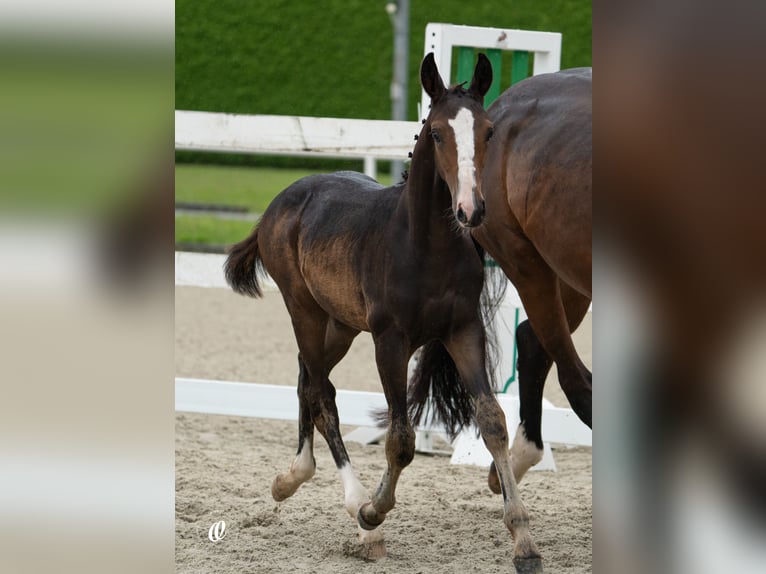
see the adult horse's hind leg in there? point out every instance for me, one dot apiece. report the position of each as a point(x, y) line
point(534, 363)
point(467, 350)
point(541, 293)
point(391, 354)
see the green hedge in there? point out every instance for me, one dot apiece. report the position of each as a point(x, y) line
point(332, 58)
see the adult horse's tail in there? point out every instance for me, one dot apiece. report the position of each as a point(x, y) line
point(435, 386)
point(244, 265)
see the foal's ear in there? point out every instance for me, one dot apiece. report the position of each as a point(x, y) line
point(482, 78)
point(430, 78)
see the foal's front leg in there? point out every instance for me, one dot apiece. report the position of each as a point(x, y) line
point(467, 350)
point(391, 354)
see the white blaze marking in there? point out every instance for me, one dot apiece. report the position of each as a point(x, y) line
point(462, 125)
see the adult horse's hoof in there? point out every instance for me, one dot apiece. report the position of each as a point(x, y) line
point(493, 480)
point(369, 523)
point(528, 565)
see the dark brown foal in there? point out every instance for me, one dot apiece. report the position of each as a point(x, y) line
point(349, 255)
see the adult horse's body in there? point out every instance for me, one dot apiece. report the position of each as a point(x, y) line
point(349, 255)
point(537, 188)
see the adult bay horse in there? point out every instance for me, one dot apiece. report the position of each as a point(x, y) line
point(537, 188)
point(349, 255)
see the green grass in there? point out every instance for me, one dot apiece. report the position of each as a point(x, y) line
point(209, 230)
point(249, 187)
point(253, 188)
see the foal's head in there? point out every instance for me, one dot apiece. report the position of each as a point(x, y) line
point(460, 129)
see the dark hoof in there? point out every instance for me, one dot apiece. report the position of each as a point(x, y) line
point(368, 524)
point(493, 480)
point(528, 565)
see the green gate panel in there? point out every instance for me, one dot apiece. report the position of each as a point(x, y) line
point(465, 67)
point(464, 64)
point(519, 66)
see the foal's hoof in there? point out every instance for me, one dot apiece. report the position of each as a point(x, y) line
point(278, 490)
point(369, 523)
point(493, 480)
point(371, 545)
point(374, 550)
point(528, 565)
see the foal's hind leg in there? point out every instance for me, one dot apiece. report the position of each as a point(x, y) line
point(534, 363)
point(467, 350)
point(322, 343)
point(304, 465)
point(316, 396)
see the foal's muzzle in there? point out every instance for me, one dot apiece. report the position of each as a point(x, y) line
point(476, 217)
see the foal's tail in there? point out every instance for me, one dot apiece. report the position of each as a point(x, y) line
point(436, 386)
point(244, 265)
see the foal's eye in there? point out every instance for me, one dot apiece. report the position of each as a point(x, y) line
point(490, 132)
point(437, 137)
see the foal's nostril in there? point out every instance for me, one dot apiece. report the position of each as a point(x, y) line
point(461, 215)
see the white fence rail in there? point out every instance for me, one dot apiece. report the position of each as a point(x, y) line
point(295, 135)
point(280, 402)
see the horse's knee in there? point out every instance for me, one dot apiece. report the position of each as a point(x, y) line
point(400, 443)
point(490, 419)
point(531, 351)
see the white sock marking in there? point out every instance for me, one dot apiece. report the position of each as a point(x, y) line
point(524, 454)
point(355, 493)
point(303, 466)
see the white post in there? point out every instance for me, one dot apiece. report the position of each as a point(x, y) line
point(370, 167)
